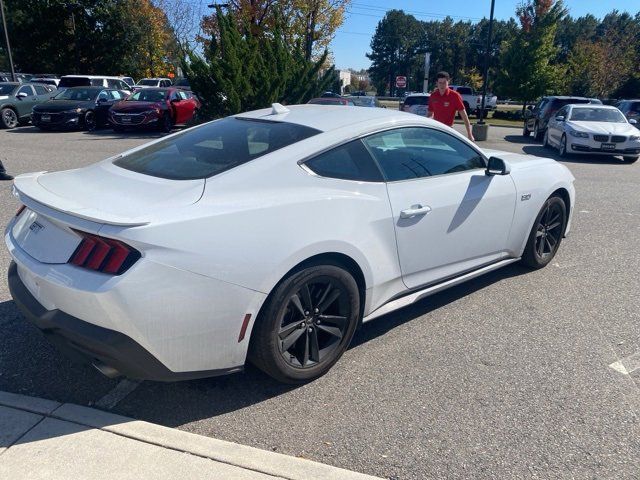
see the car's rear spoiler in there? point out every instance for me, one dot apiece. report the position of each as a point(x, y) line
point(39, 199)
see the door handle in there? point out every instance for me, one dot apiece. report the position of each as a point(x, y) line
point(415, 210)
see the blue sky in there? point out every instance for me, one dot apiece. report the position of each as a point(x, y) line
point(353, 39)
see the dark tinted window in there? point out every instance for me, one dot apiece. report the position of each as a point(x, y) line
point(148, 95)
point(67, 82)
point(26, 89)
point(40, 90)
point(348, 162)
point(213, 148)
point(464, 91)
point(557, 103)
point(7, 88)
point(420, 100)
point(408, 153)
point(78, 93)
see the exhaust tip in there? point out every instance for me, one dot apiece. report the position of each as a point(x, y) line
point(106, 370)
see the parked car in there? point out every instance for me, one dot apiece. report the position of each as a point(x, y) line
point(17, 100)
point(115, 83)
point(177, 260)
point(328, 94)
point(129, 81)
point(631, 110)
point(366, 101)
point(417, 103)
point(76, 107)
point(536, 118)
point(594, 130)
point(153, 83)
point(182, 83)
point(347, 102)
point(46, 80)
point(469, 97)
point(154, 108)
point(490, 103)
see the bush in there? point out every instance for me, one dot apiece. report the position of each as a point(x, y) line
point(509, 115)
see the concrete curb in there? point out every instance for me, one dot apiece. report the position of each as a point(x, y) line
point(250, 458)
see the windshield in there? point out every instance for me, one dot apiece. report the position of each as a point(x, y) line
point(149, 83)
point(213, 148)
point(597, 115)
point(148, 96)
point(6, 89)
point(74, 82)
point(80, 94)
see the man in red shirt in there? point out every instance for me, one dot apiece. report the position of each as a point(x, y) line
point(444, 103)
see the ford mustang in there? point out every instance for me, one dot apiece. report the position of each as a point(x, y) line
point(269, 237)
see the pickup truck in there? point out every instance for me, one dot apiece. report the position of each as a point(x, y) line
point(472, 100)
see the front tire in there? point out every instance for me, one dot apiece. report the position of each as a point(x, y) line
point(545, 139)
point(562, 147)
point(90, 121)
point(307, 324)
point(8, 118)
point(546, 234)
point(167, 123)
point(537, 134)
point(628, 159)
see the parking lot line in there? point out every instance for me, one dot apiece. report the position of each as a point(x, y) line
point(119, 392)
point(628, 364)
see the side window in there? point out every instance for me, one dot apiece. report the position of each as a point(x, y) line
point(103, 95)
point(40, 90)
point(409, 153)
point(115, 95)
point(183, 96)
point(351, 161)
point(97, 82)
point(563, 111)
point(174, 96)
point(26, 89)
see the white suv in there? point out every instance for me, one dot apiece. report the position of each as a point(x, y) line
point(417, 103)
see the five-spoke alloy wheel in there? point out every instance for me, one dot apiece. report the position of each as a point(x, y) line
point(546, 234)
point(307, 324)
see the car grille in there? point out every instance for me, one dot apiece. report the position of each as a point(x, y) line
point(618, 139)
point(135, 118)
point(601, 138)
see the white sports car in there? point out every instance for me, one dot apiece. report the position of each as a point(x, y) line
point(270, 235)
point(594, 130)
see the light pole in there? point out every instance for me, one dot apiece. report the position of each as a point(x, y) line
point(6, 36)
point(486, 66)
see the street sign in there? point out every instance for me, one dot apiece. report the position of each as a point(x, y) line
point(401, 82)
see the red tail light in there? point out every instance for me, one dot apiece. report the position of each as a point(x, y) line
point(103, 254)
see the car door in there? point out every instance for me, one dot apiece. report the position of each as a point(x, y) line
point(23, 103)
point(556, 127)
point(104, 102)
point(177, 107)
point(187, 104)
point(449, 216)
point(535, 113)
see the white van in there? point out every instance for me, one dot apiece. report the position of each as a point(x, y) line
point(68, 81)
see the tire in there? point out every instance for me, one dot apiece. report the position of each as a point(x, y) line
point(293, 320)
point(8, 118)
point(545, 139)
point(537, 134)
point(90, 121)
point(195, 118)
point(627, 159)
point(562, 147)
point(546, 234)
point(167, 123)
point(525, 131)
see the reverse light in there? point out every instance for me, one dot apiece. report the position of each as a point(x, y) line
point(103, 254)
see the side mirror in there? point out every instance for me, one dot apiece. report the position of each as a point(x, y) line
point(633, 121)
point(21, 95)
point(497, 166)
point(560, 118)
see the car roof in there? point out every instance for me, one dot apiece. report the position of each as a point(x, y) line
point(91, 87)
point(418, 95)
point(334, 117)
point(15, 84)
point(592, 105)
point(92, 76)
point(568, 97)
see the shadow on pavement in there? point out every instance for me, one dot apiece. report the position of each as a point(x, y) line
point(31, 366)
point(519, 139)
point(540, 151)
point(101, 133)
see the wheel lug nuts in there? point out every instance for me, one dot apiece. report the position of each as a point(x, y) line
point(316, 310)
point(306, 313)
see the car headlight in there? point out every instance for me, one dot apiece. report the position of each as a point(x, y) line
point(75, 110)
point(574, 133)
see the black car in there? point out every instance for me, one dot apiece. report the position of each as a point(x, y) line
point(76, 107)
point(631, 110)
point(182, 84)
point(536, 119)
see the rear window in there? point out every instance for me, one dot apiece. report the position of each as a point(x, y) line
point(75, 82)
point(213, 148)
point(421, 100)
point(464, 91)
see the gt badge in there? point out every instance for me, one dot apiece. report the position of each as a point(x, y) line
point(35, 227)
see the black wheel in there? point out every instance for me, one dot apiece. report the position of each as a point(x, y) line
point(90, 122)
point(525, 131)
point(562, 147)
point(546, 234)
point(545, 139)
point(8, 118)
point(537, 134)
point(307, 324)
point(195, 118)
point(627, 159)
point(166, 125)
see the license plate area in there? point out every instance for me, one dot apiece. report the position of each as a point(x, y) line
point(125, 119)
point(45, 118)
point(608, 146)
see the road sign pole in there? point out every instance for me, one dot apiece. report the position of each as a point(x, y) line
point(6, 36)
point(427, 64)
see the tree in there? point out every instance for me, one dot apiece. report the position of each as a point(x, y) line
point(241, 71)
point(528, 69)
point(395, 46)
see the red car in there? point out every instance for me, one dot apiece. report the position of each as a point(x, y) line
point(160, 108)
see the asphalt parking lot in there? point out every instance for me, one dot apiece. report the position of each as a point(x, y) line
point(508, 376)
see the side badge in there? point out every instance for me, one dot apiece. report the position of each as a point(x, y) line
point(525, 197)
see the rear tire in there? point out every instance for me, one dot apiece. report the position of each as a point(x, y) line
point(537, 134)
point(8, 118)
point(545, 139)
point(525, 131)
point(90, 121)
point(167, 123)
point(628, 159)
point(306, 324)
point(546, 234)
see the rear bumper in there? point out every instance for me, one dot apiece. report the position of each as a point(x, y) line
point(88, 343)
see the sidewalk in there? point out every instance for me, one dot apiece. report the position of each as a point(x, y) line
point(42, 439)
